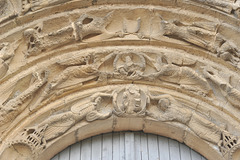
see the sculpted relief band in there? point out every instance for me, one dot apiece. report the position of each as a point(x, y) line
point(72, 69)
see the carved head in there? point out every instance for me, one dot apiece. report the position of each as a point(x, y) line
point(163, 104)
point(98, 100)
point(29, 32)
point(167, 27)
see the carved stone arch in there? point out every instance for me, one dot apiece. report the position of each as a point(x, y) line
point(72, 69)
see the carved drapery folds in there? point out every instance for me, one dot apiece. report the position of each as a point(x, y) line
point(128, 101)
point(78, 66)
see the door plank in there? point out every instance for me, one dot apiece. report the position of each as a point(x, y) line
point(152, 147)
point(64, 155)
point(174, 150)
point(107, 147)
point(129, 146)
point(163, 146)
point(86, 149)
point(97, 147)
point(144, 146)
point(75, 151)
point(137, 145)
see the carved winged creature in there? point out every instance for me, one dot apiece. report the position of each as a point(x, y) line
point(58, 124)
point(168, 110)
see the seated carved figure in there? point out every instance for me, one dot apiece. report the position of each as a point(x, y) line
point(170, 110)
point(129, 68)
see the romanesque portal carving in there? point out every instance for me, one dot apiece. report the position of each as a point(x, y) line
point(67, 66)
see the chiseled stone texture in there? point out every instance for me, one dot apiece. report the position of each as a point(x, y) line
point(72, 69)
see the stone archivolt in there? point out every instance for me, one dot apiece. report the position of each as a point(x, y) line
point(173, 72)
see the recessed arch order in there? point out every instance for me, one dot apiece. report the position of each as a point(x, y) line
point(73, 69)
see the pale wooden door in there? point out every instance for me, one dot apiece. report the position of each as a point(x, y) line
point(128, 146)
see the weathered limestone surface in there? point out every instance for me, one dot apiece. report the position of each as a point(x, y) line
point(71, 69)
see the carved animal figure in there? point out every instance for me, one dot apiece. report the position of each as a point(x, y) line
point(87, 27)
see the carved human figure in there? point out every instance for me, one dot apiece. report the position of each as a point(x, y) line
point(19, 97)
point(58, 124)
point(186, 77)
point(6, 54)
point(7, 10)
point(86, 27)
point(205, 36)
point(228, 51)
point(229, 92)
point(130, 101)
point(79, 68)
point(170, 110)
point(228, 6)
point(33, 5)
point(201, 36)
point(81, 71)
point(129, 69)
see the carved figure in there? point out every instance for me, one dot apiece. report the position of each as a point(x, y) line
point(170, 110)
point(79, 68)
point(200, 36)
point(33, 5)
point(7, 10)
point(86, 27)
point(6, 54)
point(129, 68)
point(12, 104)
point(81, 71)
point(34, 41)
point(228, 91)
point(228, 51)
point(228, 6)
point(186, 77)
point(58, 124)
point(130, 101)
point(204, 36)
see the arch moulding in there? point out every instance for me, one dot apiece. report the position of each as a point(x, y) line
point(72, 69)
